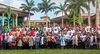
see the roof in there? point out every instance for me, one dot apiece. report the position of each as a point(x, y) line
point(59, 18)
point(20, 12)
point(45, 17)
point(85, 16)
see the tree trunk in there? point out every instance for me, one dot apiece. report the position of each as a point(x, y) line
point(80, 20)
point(97, 14)
point(62, 21)
point(29, 20)
point(89, 19)
point(8, 22)
point(74, 20)
point(2, 19)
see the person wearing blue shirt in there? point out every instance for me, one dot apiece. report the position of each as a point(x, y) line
point(58, 41)
point(4, 41)
point(68, 41)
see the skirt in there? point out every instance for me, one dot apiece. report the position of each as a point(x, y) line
point(31, 43)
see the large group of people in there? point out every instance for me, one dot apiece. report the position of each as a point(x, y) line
point(86, 37)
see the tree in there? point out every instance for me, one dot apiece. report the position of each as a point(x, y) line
point(9, 13)
point(97, 12)
point(93, 3)
point(62, 9)
point(46, 6)
point(77, 6)
point(29, 6)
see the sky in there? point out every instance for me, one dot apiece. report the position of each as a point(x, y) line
point(37, 15)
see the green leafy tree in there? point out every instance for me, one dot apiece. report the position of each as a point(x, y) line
point(46, 6)
point(61, 9)
point(29, 6)
point(93, 3)
point(76, 7)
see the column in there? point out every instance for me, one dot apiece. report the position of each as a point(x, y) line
point(34, 23)
point(53, 24)
point(2, 19)
point(13, 22)
point(16, 20)
point(49, 24)
point(46, 24)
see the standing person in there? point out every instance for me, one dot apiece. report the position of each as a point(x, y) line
point(37, 40)
point(43, 41)
point(75, 41)
point(30, 41)
point(25, 41)
point(0, 41)
point(95, 41)
point(83, 39)
point(58, 41)
point(99, 41)
point(62, 41)
point(19, 42)
point(91, 41)
point(4, 40)
point(10, 41)
point(48, 40)
point(52, 38)
point(87, 41)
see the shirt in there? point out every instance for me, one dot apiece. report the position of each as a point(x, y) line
point(52, 38)
point(67, 36)
point(0, 37)
point(25, 39)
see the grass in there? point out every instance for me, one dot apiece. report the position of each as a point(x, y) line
point(70, 51)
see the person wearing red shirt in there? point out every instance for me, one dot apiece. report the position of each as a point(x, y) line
point(32, 32)
point(52, 38)
point(0, 41)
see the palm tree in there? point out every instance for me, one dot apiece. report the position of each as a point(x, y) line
point(29, 6)
point(9, 13)
point(93, 3)
point(62, 9)
point(46, 6)
point(97, 12)
point(77, 6)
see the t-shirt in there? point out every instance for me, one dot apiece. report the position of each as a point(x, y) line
point(25, 39)
point(32, 32)
point(7, 29)
point(0, 37)
point(52, 38)
point(40, 32)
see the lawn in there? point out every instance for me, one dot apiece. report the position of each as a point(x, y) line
point(70, 51)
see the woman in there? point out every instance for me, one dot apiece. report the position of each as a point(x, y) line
point(37, 40)
point(10, 40)
point(75, 41)
point(91, 41)
point(25, 41)
point(99, 41)
point(19, 42)
point(30, 41)
point(62, 41)
point(48, 41)
point(52, 38)
point(58, 41)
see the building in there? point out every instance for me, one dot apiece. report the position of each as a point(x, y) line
point(58, 20)
point(19, 18)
